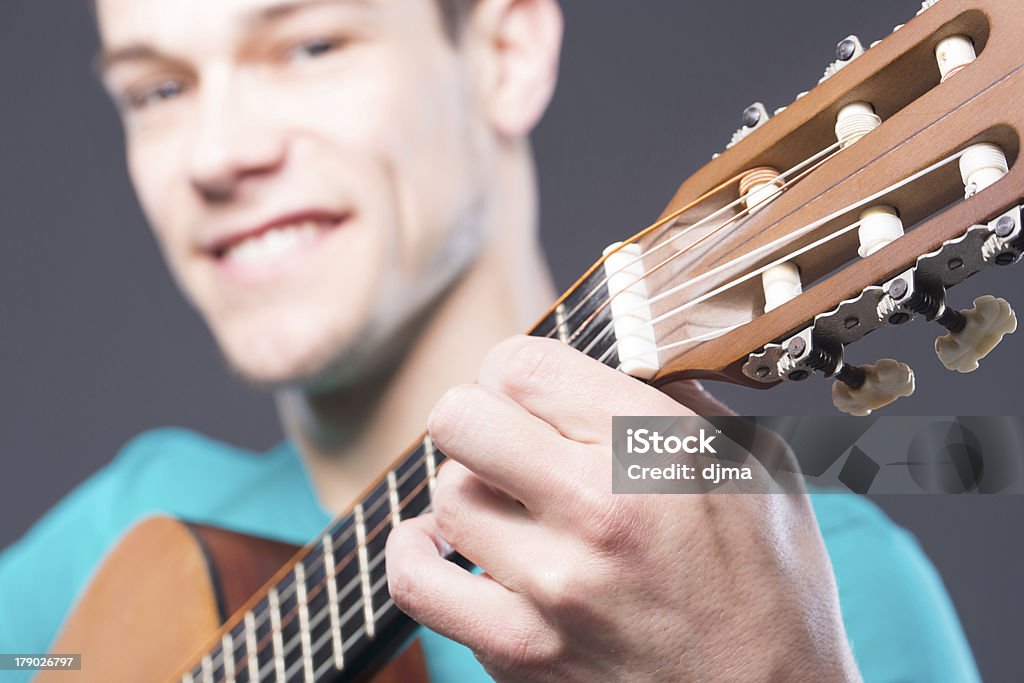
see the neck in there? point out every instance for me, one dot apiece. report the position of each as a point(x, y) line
point(348, 436)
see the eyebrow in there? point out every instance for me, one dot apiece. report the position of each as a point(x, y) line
point(141, 52)
point(135, 52)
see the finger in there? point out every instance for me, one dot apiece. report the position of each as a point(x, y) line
point(443, 596)
point(505, 445)
point(692, 394)
point(484, 525)
point(574, 393)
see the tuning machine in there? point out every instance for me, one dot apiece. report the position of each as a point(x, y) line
point(979, 329)
point(860, 389)
point(857, 390)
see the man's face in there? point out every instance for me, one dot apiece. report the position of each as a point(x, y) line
point(311, 168)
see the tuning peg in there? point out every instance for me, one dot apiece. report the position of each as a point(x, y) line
point(984, 326)
point(860, 389)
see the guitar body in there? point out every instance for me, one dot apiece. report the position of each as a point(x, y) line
point(164, 591)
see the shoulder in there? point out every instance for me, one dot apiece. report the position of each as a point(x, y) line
point(166, 471)
point(155, 468)
point(900, 621)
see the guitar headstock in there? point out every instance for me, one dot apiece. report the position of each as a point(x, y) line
point(858, 206)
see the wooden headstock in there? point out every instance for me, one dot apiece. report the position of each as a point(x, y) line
point(712, 243)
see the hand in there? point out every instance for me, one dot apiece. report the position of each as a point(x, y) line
point(583, 585)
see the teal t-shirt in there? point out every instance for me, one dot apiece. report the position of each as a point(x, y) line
point(899, 619)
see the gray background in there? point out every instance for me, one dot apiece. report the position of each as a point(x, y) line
point(95, 344)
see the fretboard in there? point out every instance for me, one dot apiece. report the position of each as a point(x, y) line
point(330, 618)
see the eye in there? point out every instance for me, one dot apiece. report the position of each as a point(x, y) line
point(311, 49)
point(153, 95)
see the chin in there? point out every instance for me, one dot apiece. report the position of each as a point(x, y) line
point(273, 359)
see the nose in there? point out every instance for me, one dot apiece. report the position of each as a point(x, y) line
point(232, 145)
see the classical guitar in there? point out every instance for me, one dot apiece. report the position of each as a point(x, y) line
point(858, 206)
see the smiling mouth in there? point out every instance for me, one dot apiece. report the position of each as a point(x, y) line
point(270, 244)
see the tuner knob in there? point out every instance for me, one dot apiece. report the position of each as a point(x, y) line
point(860, 389)
point(953, 54)
point(982, 165)
point(986, 323)
point(854, 121)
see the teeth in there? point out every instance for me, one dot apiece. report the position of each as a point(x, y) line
point(270, 245)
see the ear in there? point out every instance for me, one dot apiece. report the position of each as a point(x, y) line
point(515, 46)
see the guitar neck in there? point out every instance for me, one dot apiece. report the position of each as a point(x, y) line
point(327, 615)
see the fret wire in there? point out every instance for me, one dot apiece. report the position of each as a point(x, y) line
point(206, 669)
point(252, 654)
point(275, 633)
point(307, 661)
point(364, 571)
point(229, 662)
point(332, 604)
point(560, 326)
point(396, 513)
point(430, 462)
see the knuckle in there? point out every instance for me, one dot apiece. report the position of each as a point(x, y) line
point(614, 525)
point(525, 364)
point(448, 507)
point(520, 652)
point(563, 590)
point(402, 582)
point(449, 415)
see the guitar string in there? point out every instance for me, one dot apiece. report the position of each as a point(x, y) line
point(736, 218)
point(753, 255)
point(675, 214)
point(347, 560)
point(286, 592)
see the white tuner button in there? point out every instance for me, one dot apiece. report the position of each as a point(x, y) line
point(884, 382)
point(982, 165)
point(953, 54)
point(854, 122)
point(988, 321)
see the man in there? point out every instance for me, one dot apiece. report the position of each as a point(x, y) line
point(344, 190)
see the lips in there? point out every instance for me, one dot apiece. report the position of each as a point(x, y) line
point(263, 250)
